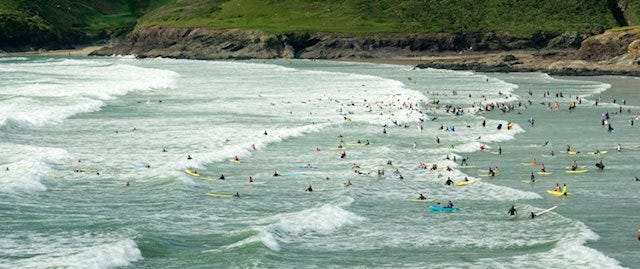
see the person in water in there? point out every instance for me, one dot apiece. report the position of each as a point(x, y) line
point(565, 190)
point(512, 211)
point(189, 157)
point(275, 174)
point(221, 177)
point(236, 194)
point(449, 182)
point(532, 178)
point(309, 188)
point(600, 165)
point(422, 197)
point(533, 215)
point(449, 205)
point(250, 179)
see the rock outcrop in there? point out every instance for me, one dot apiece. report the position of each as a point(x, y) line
point(613, 52)
point(199, 43)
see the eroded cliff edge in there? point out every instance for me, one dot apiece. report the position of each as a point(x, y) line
point(612, 52)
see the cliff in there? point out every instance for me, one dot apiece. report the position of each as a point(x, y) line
point(613, 52)
point(200, 43)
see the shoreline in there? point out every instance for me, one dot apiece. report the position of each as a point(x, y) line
point(80, 51)
point(556, 62)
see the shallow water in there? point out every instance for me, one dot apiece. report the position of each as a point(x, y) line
point(111, 117)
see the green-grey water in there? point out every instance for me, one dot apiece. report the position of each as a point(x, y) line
point(74, 131)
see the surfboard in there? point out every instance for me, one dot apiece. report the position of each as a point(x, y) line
point(140, 165)
point(528, 164)
point(600, 152)
point(576, 171)
point(342, 148)
point(545, 211)
point(209, 178)
point(234, 161)
point(463, 183)
point(439, 208)
point(572, 152)
point(422, 201)
point(487, 175)
point(191, 172)
point(467, 166)
point(528, 181)
point(368, 166)
point(544, 173)
point(52, 175)
point(356, 144)
point(498, 153)
point(557, 192)
point(220, 195)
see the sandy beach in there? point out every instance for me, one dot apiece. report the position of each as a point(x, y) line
point(81, 51)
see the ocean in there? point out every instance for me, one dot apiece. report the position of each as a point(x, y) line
point(93, 154)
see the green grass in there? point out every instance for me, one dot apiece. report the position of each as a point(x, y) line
point(386, 16)
point(73, 21)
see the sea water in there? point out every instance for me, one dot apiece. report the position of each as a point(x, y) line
point(74, 131)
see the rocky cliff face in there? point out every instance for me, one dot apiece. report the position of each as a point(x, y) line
point(201, 43)
point(616, 52)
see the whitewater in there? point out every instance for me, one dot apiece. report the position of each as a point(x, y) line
point(93, 153)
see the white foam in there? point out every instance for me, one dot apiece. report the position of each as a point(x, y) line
point(27, 169)
point(39, 93)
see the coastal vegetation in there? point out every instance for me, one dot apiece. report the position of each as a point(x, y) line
point(67, 22)
point(390, 16)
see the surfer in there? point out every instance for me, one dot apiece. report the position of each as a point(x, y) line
point(189, 157)
point(236, 194)
point(618, 147)
point(235, 158)
point(164, 150)
point(512, 211)
point(250, 179)
point(422, 197)
point(309, 189)
point(532, 178)
point(544, 170)
point(221, 177)
point(348, 183)
point(342, 155)
point(533, 215)
point(126, 184)
point(557, 187)
point(491, 172)
point(449, 205)
point(500, 150)
point(565, 190)
point(449, 182)
point(574, 165)
point(275, 174)
point(600, 165)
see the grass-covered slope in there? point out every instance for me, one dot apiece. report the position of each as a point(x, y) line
point(390, 16)
point(37, 22)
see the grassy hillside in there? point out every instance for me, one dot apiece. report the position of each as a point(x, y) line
point(390, 16)
point(65, 21)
